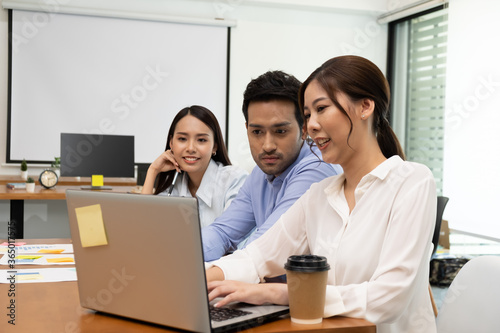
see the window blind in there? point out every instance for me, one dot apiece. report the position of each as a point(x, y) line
point(424, 137)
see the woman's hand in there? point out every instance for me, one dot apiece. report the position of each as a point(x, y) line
point(165, 162)
point(235, 291)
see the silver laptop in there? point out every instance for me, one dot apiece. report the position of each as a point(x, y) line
point(143, 260)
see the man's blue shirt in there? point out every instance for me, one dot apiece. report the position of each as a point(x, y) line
point(262, 200)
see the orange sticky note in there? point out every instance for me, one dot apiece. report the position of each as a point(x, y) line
point(54, 260)
point(97, 180)
point(50, 251)
point(91, 226)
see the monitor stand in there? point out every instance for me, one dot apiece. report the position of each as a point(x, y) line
point(89, 187)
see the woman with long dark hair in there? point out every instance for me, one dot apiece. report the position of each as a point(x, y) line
point(373, 223)
point(195, 149)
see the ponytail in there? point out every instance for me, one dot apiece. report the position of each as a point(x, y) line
point(388, 141)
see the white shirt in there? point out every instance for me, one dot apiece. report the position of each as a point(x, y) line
point(218, 188)
point(379, 253)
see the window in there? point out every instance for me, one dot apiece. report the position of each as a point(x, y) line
point(417, 65)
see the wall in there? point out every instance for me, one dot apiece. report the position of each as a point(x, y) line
point(296, 39)
point(471, 154)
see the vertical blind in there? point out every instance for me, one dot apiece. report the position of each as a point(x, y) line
point(425, 91)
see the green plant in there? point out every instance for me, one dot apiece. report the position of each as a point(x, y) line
point(30, 180)
point(57, 163)
point(24, 165)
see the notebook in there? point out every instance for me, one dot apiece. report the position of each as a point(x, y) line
point(141, 257)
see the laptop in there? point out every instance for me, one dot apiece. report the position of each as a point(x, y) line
point(141, 257)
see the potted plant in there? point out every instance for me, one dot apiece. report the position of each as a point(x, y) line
point(24, 170)
point(30, 185)
point(56, 166)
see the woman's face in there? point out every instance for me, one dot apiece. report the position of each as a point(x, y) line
point(192, 144)
point(327, 125)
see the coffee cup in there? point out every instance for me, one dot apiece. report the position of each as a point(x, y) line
point(306, 276)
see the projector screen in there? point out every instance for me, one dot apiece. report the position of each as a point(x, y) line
point(97, 75)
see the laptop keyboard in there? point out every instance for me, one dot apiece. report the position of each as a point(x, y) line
point(221, 314)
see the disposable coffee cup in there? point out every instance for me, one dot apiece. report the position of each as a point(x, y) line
point(306, 277)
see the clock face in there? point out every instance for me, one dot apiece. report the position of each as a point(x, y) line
point(48, 178)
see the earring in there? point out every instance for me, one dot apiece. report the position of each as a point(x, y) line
point(213, 154)
point(363, 116)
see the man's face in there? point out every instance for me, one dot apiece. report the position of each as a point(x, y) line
point(274, 135)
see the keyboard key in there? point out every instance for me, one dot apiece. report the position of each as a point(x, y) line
point(221, 314)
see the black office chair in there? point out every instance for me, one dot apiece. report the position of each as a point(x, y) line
point(142, 170)
point(441, 204)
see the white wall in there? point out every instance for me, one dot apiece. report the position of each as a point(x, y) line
point(472, 127)
point(296, 39)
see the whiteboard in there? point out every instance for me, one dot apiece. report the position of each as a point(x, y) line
point(85, 74)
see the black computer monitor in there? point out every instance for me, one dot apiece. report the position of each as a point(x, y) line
point(84, 155)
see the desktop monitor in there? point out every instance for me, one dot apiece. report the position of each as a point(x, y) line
point(84, 155)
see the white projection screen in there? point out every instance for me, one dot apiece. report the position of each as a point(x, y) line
point(99, 75)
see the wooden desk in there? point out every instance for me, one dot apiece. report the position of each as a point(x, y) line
point(108, 181)
point(55, 307)
point(17, 198)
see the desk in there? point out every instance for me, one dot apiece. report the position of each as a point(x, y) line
point(108, 181)
point(55, 307)
point(17, 198)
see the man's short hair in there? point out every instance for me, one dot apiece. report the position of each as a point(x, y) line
point(273, 85)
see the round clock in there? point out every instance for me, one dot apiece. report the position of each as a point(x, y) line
point(48, 178)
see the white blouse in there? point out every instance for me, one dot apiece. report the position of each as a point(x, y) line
point(379, 253)
point(218, 188)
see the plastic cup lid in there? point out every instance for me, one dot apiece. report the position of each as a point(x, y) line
point(307, 263)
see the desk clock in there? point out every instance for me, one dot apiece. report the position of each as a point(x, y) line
point(48, 178)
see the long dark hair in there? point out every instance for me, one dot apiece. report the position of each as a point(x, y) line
point(164, 179)
point(358, 78)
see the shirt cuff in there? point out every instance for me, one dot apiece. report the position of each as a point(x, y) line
point(333, 302)
point(236, 268)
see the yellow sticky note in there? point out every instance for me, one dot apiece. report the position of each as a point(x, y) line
point(28, 256)
point(54, 260)
point(97, 180)
point(91, 226)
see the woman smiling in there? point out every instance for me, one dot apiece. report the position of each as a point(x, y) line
point(195, 148)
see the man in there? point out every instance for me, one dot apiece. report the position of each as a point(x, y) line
point(286, 166)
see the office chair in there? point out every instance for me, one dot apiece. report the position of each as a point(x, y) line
point(142, 170)
point(472, 302)
point(441, 204)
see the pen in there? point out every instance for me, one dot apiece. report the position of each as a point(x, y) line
point(171, 188)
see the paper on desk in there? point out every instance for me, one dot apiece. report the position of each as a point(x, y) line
point(32, 275)
point(15, 244)
point(40, 259)
point(91, 226)
point(41, 248)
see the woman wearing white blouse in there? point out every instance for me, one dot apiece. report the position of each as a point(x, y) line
point(373, 223)
point(196, 148)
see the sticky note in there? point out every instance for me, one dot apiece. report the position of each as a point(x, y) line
point(91, 226)
point(28, 257)
point(54, 260)
point(15, 244)
point(50, 251)
point(97, 180)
